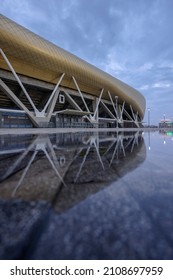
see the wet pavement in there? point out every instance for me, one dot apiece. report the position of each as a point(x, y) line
point(104, 195)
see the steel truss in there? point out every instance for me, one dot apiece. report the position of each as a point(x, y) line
point(118, 114)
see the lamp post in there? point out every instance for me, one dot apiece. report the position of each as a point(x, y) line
point(148, 117)
point(116, 106)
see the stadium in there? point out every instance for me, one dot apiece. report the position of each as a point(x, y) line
point(42, 85)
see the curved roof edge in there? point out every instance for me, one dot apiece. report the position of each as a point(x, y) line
point(36, 57)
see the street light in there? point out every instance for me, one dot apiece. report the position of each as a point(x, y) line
point(148, 117)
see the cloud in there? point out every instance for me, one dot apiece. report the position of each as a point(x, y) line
point(22, 11)
point(145, 67)
point(144, 87)
point(161, 85)
point(113, 64)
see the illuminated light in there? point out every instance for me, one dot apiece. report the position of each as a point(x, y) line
point(149, 148)
point(169, 133)
point(164, 142)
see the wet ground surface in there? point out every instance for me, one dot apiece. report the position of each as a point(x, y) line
point(86, 196)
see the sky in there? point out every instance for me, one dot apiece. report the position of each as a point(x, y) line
point(130, 39)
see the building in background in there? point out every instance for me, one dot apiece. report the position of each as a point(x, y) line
point(166, 123)
point(42, 85)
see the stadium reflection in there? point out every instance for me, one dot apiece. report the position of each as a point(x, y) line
point(64, 169)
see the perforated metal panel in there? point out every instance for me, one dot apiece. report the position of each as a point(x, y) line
point(35, 57)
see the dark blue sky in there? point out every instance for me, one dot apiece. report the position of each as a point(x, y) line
point(130, 39)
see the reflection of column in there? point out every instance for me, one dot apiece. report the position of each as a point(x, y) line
point(149, 145)
point(2, 140)
point(93, 142)
point(40, 143)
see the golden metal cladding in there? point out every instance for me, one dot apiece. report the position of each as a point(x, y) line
point(36, 57)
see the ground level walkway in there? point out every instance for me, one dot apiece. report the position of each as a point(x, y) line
point(67, 130)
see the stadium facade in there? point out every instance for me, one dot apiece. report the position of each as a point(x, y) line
point(42, 85)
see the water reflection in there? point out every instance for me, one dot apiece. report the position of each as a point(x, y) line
point(64, 169)
point(167, 134)
point(86, 196)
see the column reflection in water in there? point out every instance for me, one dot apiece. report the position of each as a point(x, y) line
point(67, 166)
